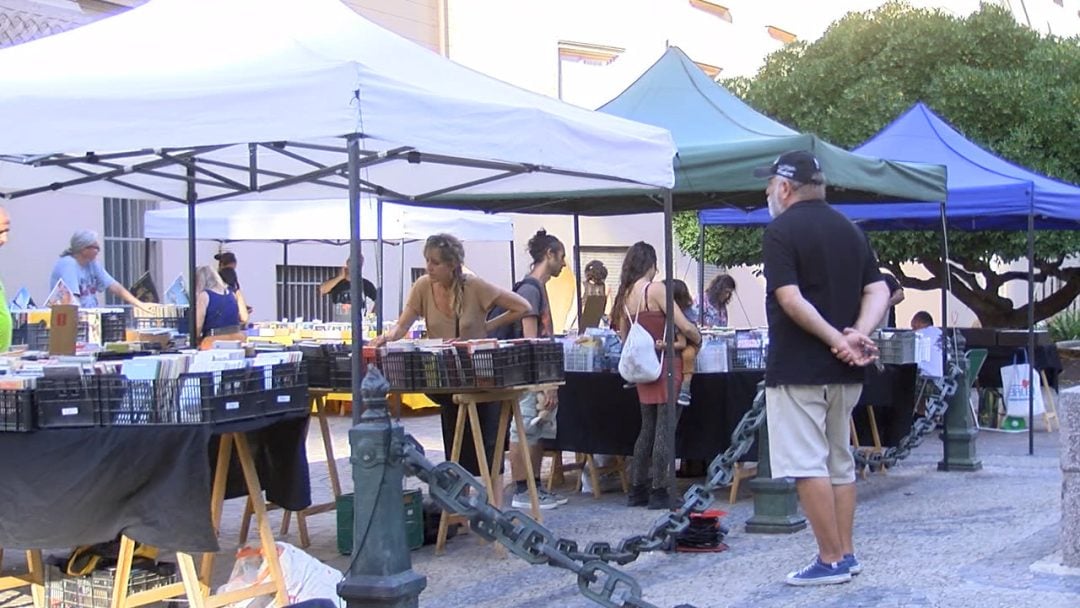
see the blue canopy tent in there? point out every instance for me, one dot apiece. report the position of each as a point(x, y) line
point(985, 192)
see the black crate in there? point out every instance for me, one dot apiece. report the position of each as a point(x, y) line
point(497, 367)
point(340, 366)
point(547, 362)
point(745, 358)
point(178, 323)
point(36, 335)
point(124, 402)
point(228, 394)
point(16, 410)
point(285, 387)
point(95, 590)
point(62, 402)
point(399, 369)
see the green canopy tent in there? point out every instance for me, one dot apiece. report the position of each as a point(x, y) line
point(720, 141)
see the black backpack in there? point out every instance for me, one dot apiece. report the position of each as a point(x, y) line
point(513, 330)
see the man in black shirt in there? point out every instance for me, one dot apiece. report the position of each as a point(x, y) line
point(337, 287)
point(824, 295)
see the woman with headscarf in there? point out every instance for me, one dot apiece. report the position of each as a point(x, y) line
point(83, 274)
point(456, 305)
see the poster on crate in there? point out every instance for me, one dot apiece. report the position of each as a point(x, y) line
point(1016, 386)
point(63, 328)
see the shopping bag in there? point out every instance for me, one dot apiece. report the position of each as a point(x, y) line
point(1016, 386)
point(638, 362)
point(306, 578)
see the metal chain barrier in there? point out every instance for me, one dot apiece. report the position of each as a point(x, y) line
point(936, 404)
point(459, 492)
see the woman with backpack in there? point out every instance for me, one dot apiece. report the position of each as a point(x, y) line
point(456, 305)
point(642, 301)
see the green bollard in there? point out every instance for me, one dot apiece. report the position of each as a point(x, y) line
point(776, 504)
point(380, 574)
point(960, 432)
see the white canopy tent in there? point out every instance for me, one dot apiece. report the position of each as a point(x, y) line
point(198, 100)
point(322, 220)
point(139, 96)
point(328, 221)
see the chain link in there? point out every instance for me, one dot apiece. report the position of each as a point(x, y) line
point(459, 492)
point(936, 405)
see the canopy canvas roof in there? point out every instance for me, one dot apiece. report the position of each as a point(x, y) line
point(721, 140)
point(322, 220)
point(985, 192)
point(258, 98)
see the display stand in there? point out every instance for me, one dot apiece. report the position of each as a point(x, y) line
point(196, 583)
point(508, 399)
point(34, 577)
point(318, 398)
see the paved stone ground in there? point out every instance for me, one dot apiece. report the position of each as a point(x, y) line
point(926, 538)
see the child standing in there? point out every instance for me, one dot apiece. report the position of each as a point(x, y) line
point(681, 294)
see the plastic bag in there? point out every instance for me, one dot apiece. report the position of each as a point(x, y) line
point(1015, 387)
point(306, 578)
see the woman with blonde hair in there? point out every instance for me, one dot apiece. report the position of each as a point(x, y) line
point(455, 305)
point(220, 313)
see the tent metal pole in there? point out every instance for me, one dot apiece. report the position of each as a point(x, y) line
point(701, 271)
point(356, 288)
point(379, 264)
point(513, 265)
point(945, 286)
point(1031, 322)
point(285, 280)
point(577, 270)
point(401, 275)
point(669, 304)
point(191, 198)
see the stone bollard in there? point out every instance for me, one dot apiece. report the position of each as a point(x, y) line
point(380, 574)
point(1069, 417)
point(776, 503)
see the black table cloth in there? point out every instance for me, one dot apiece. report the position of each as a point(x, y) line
point(67, 487)
point(891, 392)
point(597, 415)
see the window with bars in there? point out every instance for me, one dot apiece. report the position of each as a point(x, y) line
point(126, 252)
point(298, 291)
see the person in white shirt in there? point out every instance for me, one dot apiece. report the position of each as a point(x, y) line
point(929, 356)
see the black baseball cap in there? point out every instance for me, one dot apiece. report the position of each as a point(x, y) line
point(797, 165)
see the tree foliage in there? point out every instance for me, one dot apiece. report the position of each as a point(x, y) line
point(1007, 88)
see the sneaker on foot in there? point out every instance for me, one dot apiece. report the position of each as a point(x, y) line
point(818, 572)
point(558, 498)
point(684, 398)
point(522, 501)
point(854, 567)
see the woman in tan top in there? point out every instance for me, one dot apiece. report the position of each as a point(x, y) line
point(456, 305)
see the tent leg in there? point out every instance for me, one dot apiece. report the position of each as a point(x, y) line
point(284, 280)
point(1031, 326)
point(701, 270)
point(191, 199)
point(401, 284)
point(379, 265)
point(577, 270)
point(669, 276)
point(513, 265)
point(356, 288)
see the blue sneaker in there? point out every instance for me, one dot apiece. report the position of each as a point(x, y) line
point(853, 565)
point(820, 573)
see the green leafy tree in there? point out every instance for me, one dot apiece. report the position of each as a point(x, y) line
point(1004, 86)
